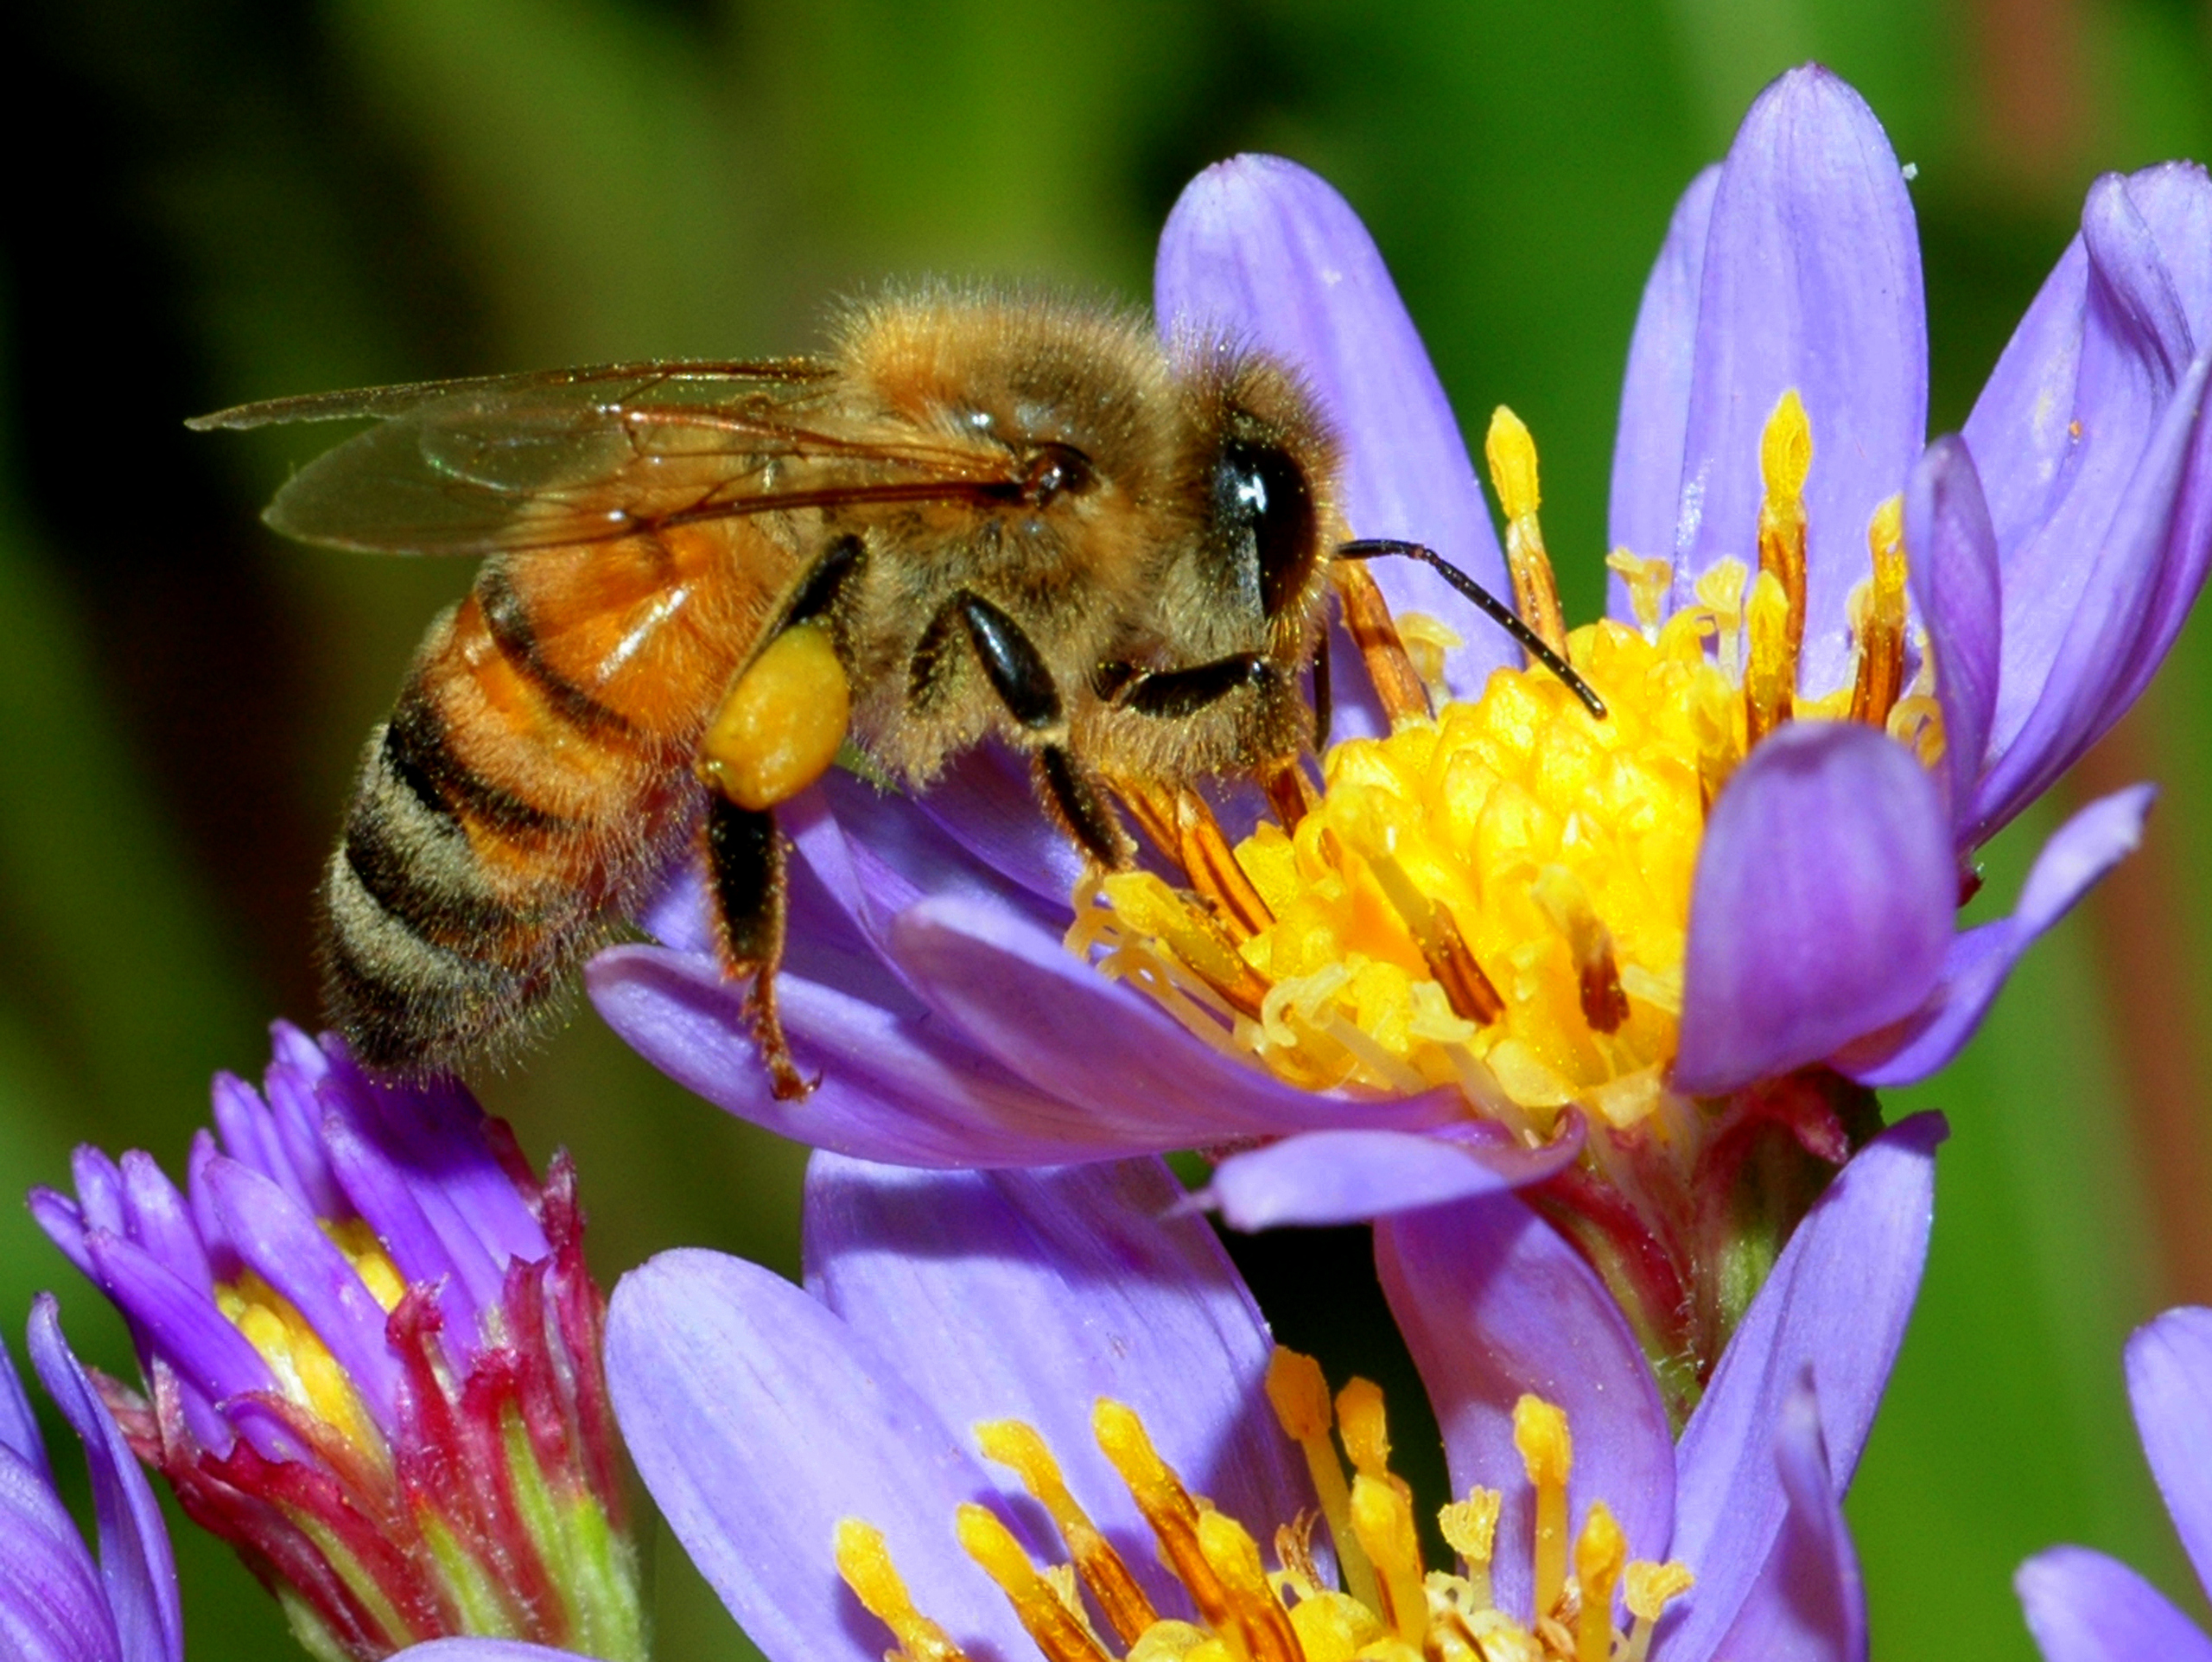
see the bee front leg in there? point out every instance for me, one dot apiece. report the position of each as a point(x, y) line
point(1024, 684)
point(745, 861)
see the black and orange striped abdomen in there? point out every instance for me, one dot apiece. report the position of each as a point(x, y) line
point(533, 778)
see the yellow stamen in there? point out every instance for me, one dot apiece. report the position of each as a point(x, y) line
point(779, 728)
point(1880, 622)
point(1259, 1628)
point(1013, 1443)
point(1165, 1504)
point(1334, 1627)
point(1540, 1433)
point(1648, 582)
point(1650, 1588)
point(864, 1561)
point(1300, 1395)
point(310, 1375)
point(1365, 1428)
point(1398, 686)
point(1599, 1552)
point(1512, 456)
point(1785, 459)
point(1470, 1526)
point(1770, 677)
point(1383, 1518)
point(1567, 903)
point(1036, 1606)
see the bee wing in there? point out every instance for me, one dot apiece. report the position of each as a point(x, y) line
point(561, 457)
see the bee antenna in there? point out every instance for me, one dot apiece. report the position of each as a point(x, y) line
point(1492, 608)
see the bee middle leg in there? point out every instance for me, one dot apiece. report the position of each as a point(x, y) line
point(746, 864)
point(1024, 684)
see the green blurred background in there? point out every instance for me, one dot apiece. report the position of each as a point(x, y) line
point(241, 197)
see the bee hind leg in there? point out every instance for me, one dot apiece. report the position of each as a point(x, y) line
point(745, 861)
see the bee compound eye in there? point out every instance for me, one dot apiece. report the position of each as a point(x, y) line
point(1261, 492)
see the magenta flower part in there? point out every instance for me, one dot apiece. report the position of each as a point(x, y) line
point(58, 1603)
point(370, 1351)
point(2050, 553)
point(768, 1419)
point(2084, 1607)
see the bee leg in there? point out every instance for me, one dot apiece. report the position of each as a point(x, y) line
point(1018, 674)
point(1173, 694)
point(1323, 698)
point(745, 858)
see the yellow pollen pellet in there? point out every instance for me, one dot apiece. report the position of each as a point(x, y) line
point(1599, 1552)
point(779, 729)
point(864, 1561)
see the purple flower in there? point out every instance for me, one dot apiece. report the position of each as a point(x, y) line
point(370, 1354)
point(1629, 959)
point(57, 1604)
point(2084, 1607)
point(989, 1373)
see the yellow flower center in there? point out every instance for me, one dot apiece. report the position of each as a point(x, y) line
point(1498, 898)
point(307, 1373)
point(1391, 1607)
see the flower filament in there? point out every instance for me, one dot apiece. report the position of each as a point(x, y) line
point(1391, 1607)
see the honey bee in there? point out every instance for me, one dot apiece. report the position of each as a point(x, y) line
point(975, 517)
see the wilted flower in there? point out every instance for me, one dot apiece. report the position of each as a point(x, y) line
point(1043, 1403)
point(56, 1603)
point(2084, 1607)
point(370, 1355)
point(1655, 961)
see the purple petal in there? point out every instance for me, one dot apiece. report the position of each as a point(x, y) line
point(1807, 1604)
point(98, 1183)
point(1656, 395)
point(52, 1606)
point(1029, 1295)
point(160, 1219)
point(1836, 1303)
point(2170, 1383)
point(1952, 571)
point(1494, 1303)
point(1811, 281)
point(2102, 522)
point(484, 1650)
point(1258, 250)
point(380, 1192)
point(1345, 1177)
point(63, 1223)
point(19, 1433)
point(760, 1421)
point(178, 1322)
point(1822, 908)
point(1020, 996)
point(2083, 1607)
point(136, 1568)
point(985, 800)
point(2077, 858)
point(277, 1238)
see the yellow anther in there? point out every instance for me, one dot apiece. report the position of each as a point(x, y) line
point(1383, 1518)
point(779, 728)
point(1364, 1428)
point(1650, 1588)
point(1177, 1641)
point(1540, 1433)
point(1785, 458)
point(1166, 1505)
point(1881, 619)
point(310, 1374)
point(1334, 1627)
point(1258, 1627)
point(354, 1236)
point(1770, 677)
point(1036, 1605)
point(1299, 1395)
point(1512, 456)
point(1469, 1528)
point(1014, 1444)
point(1565, 902)
point(1599, 1552)
point(1647, 581)
point(1786, 455)
point(864, 1561)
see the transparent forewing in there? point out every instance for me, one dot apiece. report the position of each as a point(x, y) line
point(579, 456)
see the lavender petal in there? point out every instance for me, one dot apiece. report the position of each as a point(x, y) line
point(1259, 251)
point(760, 1421)
point(1812, 282)
point(1494, 1303)
point(19, 1432)
point(2169, 1384)
point(1030, 1295)
point(1656, 395)
point(2083, 1607)
point(1952, 554)
point(1836, 1303)
point(1328, 1177)
point(52, 1607)
point(1822, 907)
